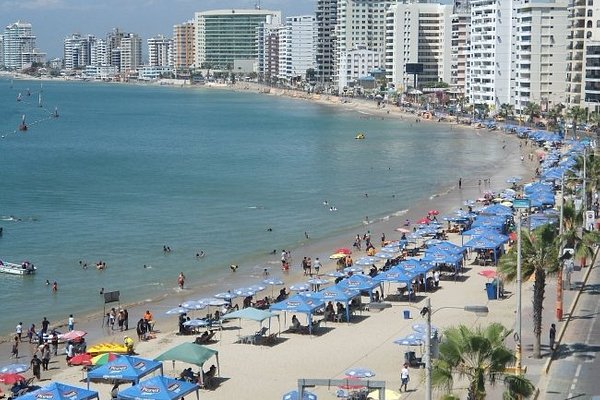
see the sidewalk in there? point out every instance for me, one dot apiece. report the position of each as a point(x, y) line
point(538, 368)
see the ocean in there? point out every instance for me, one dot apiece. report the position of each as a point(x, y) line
point(128, 169)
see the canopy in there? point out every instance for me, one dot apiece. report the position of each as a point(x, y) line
point(190, 353)
point(293, 395)
point(300, 304)
point(396, 274)
point(337, 293)
point(250, 313)
point(159, 388)
point(60, 391)
point(359, 282)
point(125, 368)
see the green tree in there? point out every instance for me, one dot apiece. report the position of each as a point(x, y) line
point(555, 114)
point(532, 110)
point(539, 257)
point(507, 111)
point(576, 114)
point(479, 356)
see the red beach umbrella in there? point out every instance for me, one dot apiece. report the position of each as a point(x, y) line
point(423, 220)
point(9, 378)
point(353, 384)
point(402, 230)
point(73, 335)
point(488, 273)
point(344, 250)
point(81, 359)
point(433, 212)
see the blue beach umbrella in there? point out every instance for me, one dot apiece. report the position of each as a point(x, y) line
point(217, 302)
point(414, 339)
point(257, 288)
point(299, 287)
point(196, 323)
point(14, 368)
point(273, 281)
point(226, 295)
point(293, 395)
point(318, 281)
point(194, 305)
point(384, 255)
point(353, 269)
point(420, 327)
point(367, 260)
point(336, 274)
point(360, 372)
point(244, 292)
point(177, 310)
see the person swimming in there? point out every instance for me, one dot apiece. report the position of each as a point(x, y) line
point(233, 267)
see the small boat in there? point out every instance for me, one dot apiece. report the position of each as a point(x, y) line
point(360, 136)
point(25, 268)
point(23, 125)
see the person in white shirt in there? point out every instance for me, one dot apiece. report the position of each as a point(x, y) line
point(71, 322)
point(404, 377)
point(436, 278)
point(19, 330)
point(317, 265)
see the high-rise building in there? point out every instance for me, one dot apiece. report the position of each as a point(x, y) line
point(460, 45)
point(77, 51)
point(421, 34)
point(99, 53)
point(184, 52)
point(2, 50)
point(226, 36)
point(297, 47)
point(490, 52)
point(160, 51)
point(326, 20)
point(19, 51)
point(268, 52)
point(360, 24)
point(583, 67)
point(540, 53)
point(131, 52)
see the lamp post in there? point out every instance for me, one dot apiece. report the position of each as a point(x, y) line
point(427, 313)
point(519, 204)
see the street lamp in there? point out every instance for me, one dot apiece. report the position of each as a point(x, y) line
point(427, 312)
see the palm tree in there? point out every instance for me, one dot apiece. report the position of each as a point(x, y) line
point(479, 356)
point(576, 237)
point(507, 111)
point(532, 110)
point(555, 114)
point(576, 114)
point(539, 257)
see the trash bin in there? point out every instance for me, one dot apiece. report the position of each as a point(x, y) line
point(492, 290)
point(406, 314)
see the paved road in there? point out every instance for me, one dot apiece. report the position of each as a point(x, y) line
point(575, 372)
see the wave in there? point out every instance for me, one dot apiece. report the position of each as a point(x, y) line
point(433, 196)
point(401, 212)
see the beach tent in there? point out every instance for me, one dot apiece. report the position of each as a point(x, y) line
point(253, 314)
point(299, 304)
point(364, 283)
point(60, 391)
point(190, 353)
point(159, 388)
point(337, 293)
point(293, 395)
point(125, 368)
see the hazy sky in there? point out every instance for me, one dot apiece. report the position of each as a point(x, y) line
point(53, 20)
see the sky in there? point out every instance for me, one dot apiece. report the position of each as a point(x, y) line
point(54, 20)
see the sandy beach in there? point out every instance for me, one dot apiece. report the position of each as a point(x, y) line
point(266, 372)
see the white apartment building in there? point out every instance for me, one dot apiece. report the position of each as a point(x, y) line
point(224, 36)
point(184, 38)
point(418, 33)
point(130, 53)
point(160, 51)
point(460, 42)
point(1, 50)
point(490, 52)
point(99, 53)
point(77, 51)
point(582, 60)
point(360, 24)
point(540, 53)
point(360, 62)
point(297, 50)
point(19, 51)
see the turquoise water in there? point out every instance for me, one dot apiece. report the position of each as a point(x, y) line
point(127, 169)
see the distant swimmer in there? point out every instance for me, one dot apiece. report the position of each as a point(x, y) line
point(233, 267)
point(269, 229)
point(274, 251)
point(366, 194)
point(201, 254)
point(54, 287)
point(101, 291)
point(325, 203)
point(47, 282)
point(306, 235)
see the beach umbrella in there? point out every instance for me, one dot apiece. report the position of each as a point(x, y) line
point(318, 281)
point(414, 339)
point(196, 323)
point(273, 281)
point(391, 248)
point(257, 288)
point(225, 295)
point(353, 269)
point(389, 395)
point(352, 384)
point(299, 287)
point(244, 292)
point(421, 328)
point(293, 395)
point(402, 230)
point(194, 305)
point(488, 273)
point(217, 302)
point(177, 310)
point(336, 274)
point(81, 359)
point(103, 358)
point(72, 335)
point(14, 368)
point(423, 220)
point(337, 256)
point(11, 378)
point(367, 260)
point(360, 373)
point(384, 255)
point(344, 250)
point(433, 212)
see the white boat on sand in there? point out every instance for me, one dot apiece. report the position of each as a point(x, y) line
point(25, 268)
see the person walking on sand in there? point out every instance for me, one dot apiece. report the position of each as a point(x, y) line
point(71, 323)
point(36, 363)
point(460, 183)
point(15, 348)
point(317, 266)
point(404, 377)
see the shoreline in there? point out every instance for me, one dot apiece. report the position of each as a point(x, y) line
point(384, 222)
